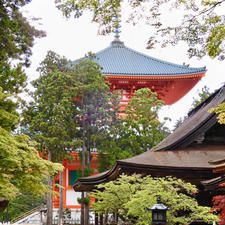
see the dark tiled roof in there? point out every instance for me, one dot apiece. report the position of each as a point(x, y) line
point(118, 59)
point(197, 157)
point(189, 164)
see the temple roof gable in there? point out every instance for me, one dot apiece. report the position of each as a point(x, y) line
point(199, 121)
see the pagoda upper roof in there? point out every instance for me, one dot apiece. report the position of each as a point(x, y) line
point(117, 59)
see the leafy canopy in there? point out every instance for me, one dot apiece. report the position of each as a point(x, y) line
point(219, 206)
point(202, 25)
point(71, 106)
point(22, 204)
point(16, 40)
point(135, 133)
point(130, 196)
point(21, 167)
point(50, 115)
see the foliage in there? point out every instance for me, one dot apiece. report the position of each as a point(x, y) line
point(21, 166)
point(219, 207)
point(142, 116)
point(202, 96)
point(16, 40)
point(220, 109)
point(22, 169)
point(70, 107)
point(139, 131)
point(23, 203)
point(50, 115)
point(201, 27)
point(130, 196)
point(93, 101)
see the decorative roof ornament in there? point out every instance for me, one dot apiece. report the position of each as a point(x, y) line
point(117, 27)
point(116, 41)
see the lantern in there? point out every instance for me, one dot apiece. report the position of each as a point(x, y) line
point(159, 213)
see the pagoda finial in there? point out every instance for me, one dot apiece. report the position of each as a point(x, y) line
point(117, 27)
point(117, 31)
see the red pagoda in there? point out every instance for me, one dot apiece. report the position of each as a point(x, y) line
point(128, 70)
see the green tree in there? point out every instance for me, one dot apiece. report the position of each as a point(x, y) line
point(202, 96)
point(138, 132)
point(22, 169)
point(51, 114)
point(23, 203)
point(142, 117)
point(70, 108)
point(16, 40)
point(129, 196)
point(220, 110)
point(93, 102)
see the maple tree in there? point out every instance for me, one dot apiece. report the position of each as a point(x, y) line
point(22, 169)
point(129, 196)
point(219, 207)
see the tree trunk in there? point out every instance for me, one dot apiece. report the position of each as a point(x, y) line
point(96, 218)
point(86, 212)
point(82, 209)
point(49, 195)
point(82, 214)
point(86, 206)
point(105, 218)
point(60, 212)
point(101, 219)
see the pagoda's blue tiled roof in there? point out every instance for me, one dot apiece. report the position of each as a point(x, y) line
point(118, 59)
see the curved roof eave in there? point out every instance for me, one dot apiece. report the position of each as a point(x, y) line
point(117, 59)
point(156, 76)
point(96, 179)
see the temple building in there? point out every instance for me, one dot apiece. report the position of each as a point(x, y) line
point(194, 152)
point(128, 70)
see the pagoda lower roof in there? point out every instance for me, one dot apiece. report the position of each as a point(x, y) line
point(117, 59)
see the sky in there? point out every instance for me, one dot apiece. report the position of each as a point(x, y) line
point(73, 38)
